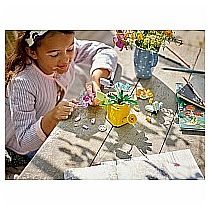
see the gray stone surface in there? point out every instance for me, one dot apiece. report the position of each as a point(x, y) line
point(69, 146)
point(165, 166)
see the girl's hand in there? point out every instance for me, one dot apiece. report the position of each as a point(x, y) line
point(60, 112)
point(96, 75)
point(63, 110)
point(93, 87)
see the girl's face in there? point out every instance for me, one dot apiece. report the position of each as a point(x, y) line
point(55, 53)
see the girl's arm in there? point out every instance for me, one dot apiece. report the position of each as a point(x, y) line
point(95, 78)
point(102, 58)
point(29, 135)
point(31, 131)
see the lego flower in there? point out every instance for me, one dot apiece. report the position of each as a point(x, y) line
point(118, 42)
point(145, 39)
point(86, 100)
point(168, 33)
point(139, 36)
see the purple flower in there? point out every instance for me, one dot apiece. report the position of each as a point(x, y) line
point(86, 99)
point(118, 42)
point(85, 105)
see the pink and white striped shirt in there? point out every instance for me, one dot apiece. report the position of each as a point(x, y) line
point(31, 94)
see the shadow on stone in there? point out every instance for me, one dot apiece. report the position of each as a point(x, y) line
point(128, 135)
point(86, 115)
point(73, 157)
point(47, 168)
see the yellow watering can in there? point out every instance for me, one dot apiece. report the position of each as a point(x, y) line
point(119, 115)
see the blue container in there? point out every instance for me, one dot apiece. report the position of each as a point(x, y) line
point(144, 61)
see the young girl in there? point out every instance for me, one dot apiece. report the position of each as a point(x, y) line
point(37, 79)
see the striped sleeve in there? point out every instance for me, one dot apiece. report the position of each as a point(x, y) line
point(27, 127)
point(97, 55)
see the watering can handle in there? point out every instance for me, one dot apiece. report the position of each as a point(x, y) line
point(132, 119)
point(154, 59)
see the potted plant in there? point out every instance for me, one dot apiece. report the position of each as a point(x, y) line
point(118, 105)
point(147, 44)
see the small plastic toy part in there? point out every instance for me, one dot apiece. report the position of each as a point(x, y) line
point(143, 93)
point(154, 107)
point(93, 121)
point(102, 128)
point(119, 115)
point(76, 124)
point(132, 119)
point(136, 108)
point(108, 83)
point(78, 118)
point(148, 119)
point(85, 127)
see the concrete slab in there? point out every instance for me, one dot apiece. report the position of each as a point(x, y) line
point(166, 166)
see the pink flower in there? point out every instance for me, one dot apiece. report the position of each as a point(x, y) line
point(86, 99)
point(85, 105)
point(91, 95)
point(119, 43)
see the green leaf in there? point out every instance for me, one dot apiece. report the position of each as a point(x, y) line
point(101, 96)
point(131, 102)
